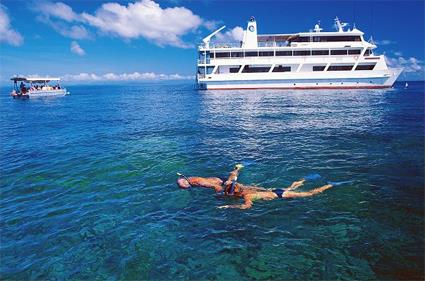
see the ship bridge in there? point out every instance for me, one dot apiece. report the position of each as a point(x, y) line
point(253, 40)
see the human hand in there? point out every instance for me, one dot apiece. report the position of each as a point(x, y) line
point(223, 207)
point(227, 183)
point(238, 166)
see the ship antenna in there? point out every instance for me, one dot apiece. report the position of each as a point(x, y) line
point(354, 11)
point(340, 25)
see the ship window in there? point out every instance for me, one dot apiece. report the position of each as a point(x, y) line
point(354, 52)
point(222, 55)
point(365, 67)
point(367, 53)
point(302, 53)
point(319, 67)
point(204, 57)
point(266, 53)
point(234, 69)
point(203, 54)
point(210, 69)
point(340, 67)
point(336, 38)
point(281, 68)
point(338, 52)
point(254, 69)
point(212, 55)
point(226, 69)
point(237, 54)
point(251, 54)
point(320, 52)
point(205, 70)
point(300, 39)
point(283, 53)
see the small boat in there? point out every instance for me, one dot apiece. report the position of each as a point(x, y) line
point(406, 85)
point(32, 87)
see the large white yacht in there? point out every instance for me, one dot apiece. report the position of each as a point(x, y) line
point(305, 60)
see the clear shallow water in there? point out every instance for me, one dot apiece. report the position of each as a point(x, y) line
point(88, 184)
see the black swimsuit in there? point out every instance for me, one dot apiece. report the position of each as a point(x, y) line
point(279, 192)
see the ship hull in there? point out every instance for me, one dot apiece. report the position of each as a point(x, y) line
point(380, 82)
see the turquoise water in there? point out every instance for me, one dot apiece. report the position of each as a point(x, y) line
point(88, 184)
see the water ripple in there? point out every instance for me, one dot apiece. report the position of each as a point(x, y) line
point(88, 184)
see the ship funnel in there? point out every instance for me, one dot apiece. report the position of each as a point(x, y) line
point(250, 35)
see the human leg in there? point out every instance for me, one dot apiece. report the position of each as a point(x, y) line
point(293, 194)
point(296, 184)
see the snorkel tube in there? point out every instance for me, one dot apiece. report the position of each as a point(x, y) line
point(183, 182)
point(232, 188)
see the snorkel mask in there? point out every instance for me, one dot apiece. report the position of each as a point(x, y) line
point(183, 182)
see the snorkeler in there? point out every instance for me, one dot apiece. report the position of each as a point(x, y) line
point(231, 187)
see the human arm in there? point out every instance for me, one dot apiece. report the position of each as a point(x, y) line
point(234, 174)
point(246, 205)
point(213, 183)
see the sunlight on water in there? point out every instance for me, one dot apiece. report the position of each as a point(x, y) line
point(88, 184)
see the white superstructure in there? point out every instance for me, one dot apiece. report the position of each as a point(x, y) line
point(314, 59)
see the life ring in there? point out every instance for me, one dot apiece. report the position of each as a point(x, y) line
point(356, 57)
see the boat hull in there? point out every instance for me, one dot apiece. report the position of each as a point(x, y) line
point(282, 87)
point(295, 83)
point(41, 93)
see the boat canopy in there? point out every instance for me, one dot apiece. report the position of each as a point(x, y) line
point(35, 79)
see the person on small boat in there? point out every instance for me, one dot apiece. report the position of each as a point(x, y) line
point(249, 194)
point(22, 88)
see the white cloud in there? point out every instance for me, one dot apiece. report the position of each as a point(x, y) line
point(385, 42)
point(7, 33)
point(210, 24)
point(413, 69)
point(81, 77)
point(409, 65)
point(145, 19)
point(141, 19)
point(233, 35)
point(76, 49)
point(62, 19)
point(57, 10)
point(74, 31)
point(135, 76)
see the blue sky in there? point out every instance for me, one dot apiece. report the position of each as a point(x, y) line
point(142, 40)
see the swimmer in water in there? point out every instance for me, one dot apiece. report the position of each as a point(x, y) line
point(231, 187)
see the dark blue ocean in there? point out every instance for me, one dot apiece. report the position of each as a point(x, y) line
point(88, 184)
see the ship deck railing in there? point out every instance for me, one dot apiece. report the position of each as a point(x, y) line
point(261, 44)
